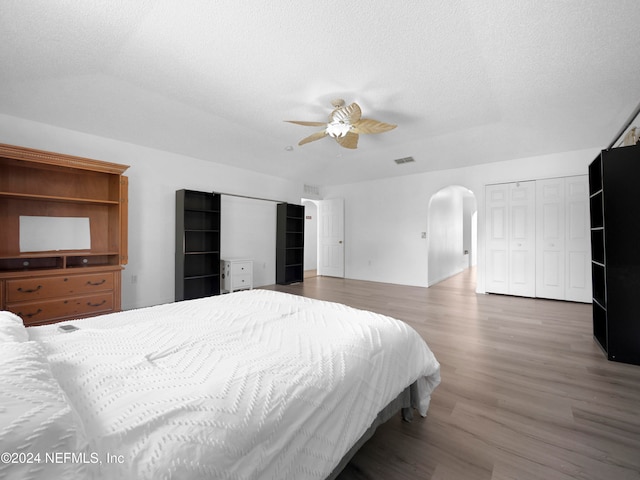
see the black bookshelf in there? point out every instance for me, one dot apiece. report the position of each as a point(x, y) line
point(197, 244)
point(615, 252)
point(289, 244)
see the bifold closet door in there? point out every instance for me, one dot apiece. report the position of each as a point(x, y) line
point(497, 215)
point(563, 245)
point(510, 238)
point(578, 240)
point(550, 238)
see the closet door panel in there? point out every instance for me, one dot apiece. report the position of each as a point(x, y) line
point(522, 239)
point(497, 238)
point(519, 270)
point(578, 276)
point(578, 240)
point(550, 238)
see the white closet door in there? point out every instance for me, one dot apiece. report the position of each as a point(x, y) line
point(522, 239)
point(550, 238)
point(578, 240)
point(510, 238)
point(497, 238)
point(538, 239)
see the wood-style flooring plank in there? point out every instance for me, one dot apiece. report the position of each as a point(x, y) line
point(526, 393)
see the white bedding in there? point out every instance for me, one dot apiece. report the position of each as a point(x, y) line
point(250, 385)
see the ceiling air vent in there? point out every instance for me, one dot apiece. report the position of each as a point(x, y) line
point(312, 189)
point(400, 161)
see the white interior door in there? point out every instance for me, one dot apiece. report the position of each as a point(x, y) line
point(550, 238)
point(538, 241)
point(578, 240)
point(496, 234)
point(331, 237)
point(522, 239)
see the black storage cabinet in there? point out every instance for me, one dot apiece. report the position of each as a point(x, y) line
point(614, 177)
point(197, 244)
point(289, 243)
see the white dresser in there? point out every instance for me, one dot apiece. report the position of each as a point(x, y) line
point(237, 274)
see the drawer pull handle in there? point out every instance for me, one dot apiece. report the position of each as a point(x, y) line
point(89, 304)
point(95, 284)
point(29, 315)
point(30, 290)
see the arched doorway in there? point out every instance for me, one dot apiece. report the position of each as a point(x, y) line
point(452, 225)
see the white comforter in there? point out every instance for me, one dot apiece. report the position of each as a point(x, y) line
point(251, 385)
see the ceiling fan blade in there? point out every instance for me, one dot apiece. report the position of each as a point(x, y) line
point(349, 114)
point(315, 136)
point(307, 124)
point(366, 125)
point(350, 140)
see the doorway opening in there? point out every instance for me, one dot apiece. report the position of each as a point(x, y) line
point(452, 225)
point(324, 237)
point(310, 238)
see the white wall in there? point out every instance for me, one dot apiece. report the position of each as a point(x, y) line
point(248, 231)
point(469, 207)
point(154, 176)
point(383, 218)
point(383, 231)
point(634, 124)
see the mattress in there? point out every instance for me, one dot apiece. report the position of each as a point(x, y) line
point(251, 385)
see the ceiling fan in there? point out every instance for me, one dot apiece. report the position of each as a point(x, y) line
point(345, 125)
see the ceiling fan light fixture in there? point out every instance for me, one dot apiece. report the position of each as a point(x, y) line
point(338, 129)
point(345, 125)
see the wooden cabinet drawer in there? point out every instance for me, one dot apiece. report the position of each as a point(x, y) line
point(31, 289)
point(47, 311)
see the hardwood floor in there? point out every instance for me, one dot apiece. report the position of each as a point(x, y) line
point(526, 393)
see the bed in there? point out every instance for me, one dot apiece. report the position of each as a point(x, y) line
point(255, 384)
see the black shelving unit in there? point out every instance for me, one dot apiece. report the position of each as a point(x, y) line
point(615, 252)
point(289, 244)
point(197, 244)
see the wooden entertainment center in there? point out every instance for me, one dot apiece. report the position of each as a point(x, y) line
point(46, 286)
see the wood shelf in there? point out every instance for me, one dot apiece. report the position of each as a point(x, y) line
point(54, 198)
point(59, 253)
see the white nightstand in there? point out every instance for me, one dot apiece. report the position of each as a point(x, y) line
point(237, 274)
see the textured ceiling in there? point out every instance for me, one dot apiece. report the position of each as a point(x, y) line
point(466, 82)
